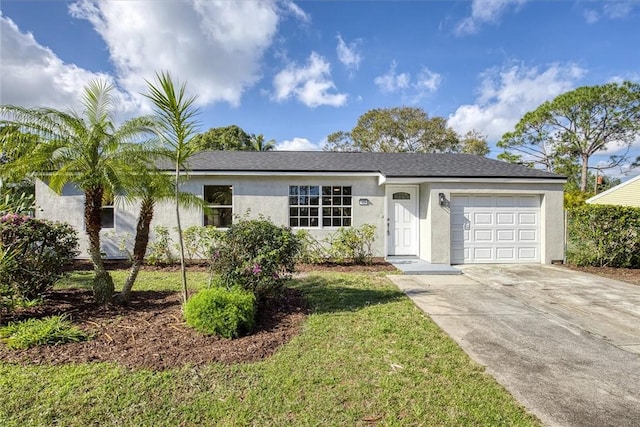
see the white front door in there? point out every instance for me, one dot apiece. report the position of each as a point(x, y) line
point(402, 221)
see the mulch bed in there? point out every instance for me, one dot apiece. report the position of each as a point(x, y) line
point(150, 331)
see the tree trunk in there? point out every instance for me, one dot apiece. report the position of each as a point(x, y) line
point(183, 269)
point(584, 174)
point(143, 227)
point(103, 287)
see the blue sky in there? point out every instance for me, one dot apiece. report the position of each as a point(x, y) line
point(298, 71)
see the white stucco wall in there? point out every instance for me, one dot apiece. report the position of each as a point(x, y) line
point(268, 196)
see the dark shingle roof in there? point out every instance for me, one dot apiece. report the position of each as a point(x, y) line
point(388, 164)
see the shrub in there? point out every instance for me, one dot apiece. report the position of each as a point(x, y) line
point(311, 250)
point(353, 244)
point(257, 256)
point(49, 330)
point(219, 311)
point(201, 242)
point(40, 251)
point(603, 235)
point(159, 251)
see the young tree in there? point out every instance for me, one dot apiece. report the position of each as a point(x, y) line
point(576, 125)
point(395, 130)
point(86, 150)
point(176, 113)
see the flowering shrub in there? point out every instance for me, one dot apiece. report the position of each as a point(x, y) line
point(40, 251)
point(257, 256)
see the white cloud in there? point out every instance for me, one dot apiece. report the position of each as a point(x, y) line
point(391, 82)
point(298, 144)
point(32, 75)
point(613, 9)
point(208, 44)
point(484, 12)
point(310, 84)
point(348, 53)
point(295, 10)
point(506, 94)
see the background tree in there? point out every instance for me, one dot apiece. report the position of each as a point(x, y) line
point(228, 138)
point(176, 113)
point(397, 130)
point(259, 144)
point(473, 142)
point(86, 150)
point(576, 125)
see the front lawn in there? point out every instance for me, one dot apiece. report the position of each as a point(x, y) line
point(366, 356)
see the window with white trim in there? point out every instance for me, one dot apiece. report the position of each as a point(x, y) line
point(316, 206)
point(219, 199)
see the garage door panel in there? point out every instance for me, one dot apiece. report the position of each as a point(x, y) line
point(483, 235)
point(483, 218)
point(497, 228)
point(504, 254)
point(508, 235)
point(528, 235)
point(505, 218)
point(528, 253)
point(527, 218)
point(482, 253)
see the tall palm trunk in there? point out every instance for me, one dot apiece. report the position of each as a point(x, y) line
point(103, 287)
point(183, 269)
point(140, 246)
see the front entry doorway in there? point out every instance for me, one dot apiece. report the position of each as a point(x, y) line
point(402, 221)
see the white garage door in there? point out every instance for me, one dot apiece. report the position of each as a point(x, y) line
point(495, 229)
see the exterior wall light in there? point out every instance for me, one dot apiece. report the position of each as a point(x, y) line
point(442, 200)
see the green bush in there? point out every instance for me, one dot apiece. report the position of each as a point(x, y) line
point(49, 330)
point(159, 251)
point(348, 244)
point(353, 244)
point(312, 251)
point(40, 250)
point(218, 311)
point(201, 242)
point(257, 256)
point(603, 235)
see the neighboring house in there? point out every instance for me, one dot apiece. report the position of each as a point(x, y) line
point(443, 208)
point(625, 194)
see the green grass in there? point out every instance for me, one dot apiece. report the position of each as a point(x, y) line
point(366, 356)
point(32, 332)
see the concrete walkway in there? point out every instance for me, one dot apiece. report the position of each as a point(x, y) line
point(413, 265)
point(564, 343)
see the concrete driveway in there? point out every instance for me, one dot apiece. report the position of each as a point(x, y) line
point(566, 344)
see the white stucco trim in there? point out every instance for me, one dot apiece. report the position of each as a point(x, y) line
point(428, 180)
point(277, 173)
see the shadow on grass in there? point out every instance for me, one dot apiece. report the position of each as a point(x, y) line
point(332, 294)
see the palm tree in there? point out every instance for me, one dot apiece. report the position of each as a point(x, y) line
point(86, 150)
point(176, 113)
point(150, 187)
point(257, 143)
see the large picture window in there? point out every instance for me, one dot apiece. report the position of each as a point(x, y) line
point(315, 206)
point(219, 199)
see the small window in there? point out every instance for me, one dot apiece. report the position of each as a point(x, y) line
point(401, 196)
point(107, 214)
point(219, 199)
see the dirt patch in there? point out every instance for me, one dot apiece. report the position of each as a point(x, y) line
point(150, 332)
point(629, 275)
